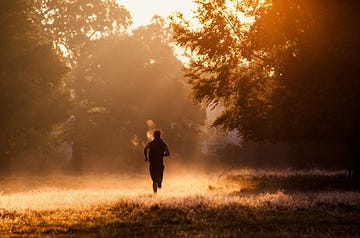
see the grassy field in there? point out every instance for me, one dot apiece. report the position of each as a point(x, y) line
point(243, 203)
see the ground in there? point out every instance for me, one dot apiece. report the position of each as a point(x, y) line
point(240, 203)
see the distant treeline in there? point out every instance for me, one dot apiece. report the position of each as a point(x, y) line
point(332, 156)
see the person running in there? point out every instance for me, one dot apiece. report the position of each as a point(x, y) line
point(154, 152)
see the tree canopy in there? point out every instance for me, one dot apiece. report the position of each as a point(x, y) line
point(291, 75)
point(72, 24)
point(129, 82)
point(32, 97)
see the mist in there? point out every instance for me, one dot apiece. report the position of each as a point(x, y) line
point(120, 90)
point(90, 102)
point(258, 116)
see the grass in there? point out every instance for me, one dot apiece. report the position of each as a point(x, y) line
point(243, 203)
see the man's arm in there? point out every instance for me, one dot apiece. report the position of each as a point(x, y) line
point(166, 152)
point(146, 149)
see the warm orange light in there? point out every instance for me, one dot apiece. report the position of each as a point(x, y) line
point(143, 10)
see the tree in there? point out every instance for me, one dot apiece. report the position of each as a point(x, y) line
point(289, 76)
point(317, 93)
point(72, 25)
point(132, 80)
point(32, 95)
point(313, 52)
point(224, 69)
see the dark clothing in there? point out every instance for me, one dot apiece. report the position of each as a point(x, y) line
point(156, 172)
point(157, 149)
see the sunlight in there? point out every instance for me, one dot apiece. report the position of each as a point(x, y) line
point(64, 204)
point(84, 193)
point(107, 191)
point(151, 128)
point(143, 10)
point(89, 192)
point(233, 8)
point(155, 118)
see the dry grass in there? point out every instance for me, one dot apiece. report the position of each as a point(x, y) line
point(244, 203)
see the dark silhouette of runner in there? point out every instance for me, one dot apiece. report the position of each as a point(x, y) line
point(154, 152)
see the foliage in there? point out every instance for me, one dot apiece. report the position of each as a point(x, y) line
point(289, 76)
point(72, 24)
point(129, 80)
point(32, 97)
point(317, 93)
point(223, 68)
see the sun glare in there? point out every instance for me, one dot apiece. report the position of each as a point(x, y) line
point(87, 192)
point(233, 10)
point(143, 10)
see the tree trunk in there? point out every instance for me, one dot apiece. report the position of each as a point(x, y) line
point(77, 157)
point(354, 161)
point(77, 146)
point(5, 164)
point(5, 160)
point(292, 150)
point(354, 155)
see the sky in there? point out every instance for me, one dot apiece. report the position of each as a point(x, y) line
point(143, 10)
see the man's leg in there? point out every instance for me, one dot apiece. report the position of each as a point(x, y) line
point(152, 169)
point(155, 187)
point(160, 175)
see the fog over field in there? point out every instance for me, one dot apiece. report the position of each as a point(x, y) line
point(187, 204)
point(253, 106)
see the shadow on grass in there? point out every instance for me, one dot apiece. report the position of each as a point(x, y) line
point(294, 183)
point(202, 217)
point(233, 221)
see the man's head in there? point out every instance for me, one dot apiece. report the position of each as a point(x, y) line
point(157, 134)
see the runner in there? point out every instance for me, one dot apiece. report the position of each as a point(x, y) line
point(154, 152)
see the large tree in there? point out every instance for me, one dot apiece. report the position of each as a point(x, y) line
point(32, 96)
point(73, 25)
point(313, 51)
point(224, 69)
point(132, 80)
point(292, 75)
